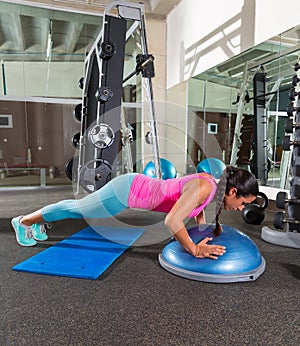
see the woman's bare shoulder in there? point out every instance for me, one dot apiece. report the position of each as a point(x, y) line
point(198, 185)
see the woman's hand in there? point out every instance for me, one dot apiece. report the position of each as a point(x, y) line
point(194, 194)
point(204, 250)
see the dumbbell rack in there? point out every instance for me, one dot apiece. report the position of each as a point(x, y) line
point(100, 113)
point(291, 216)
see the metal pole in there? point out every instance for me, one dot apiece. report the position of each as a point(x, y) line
point(239, 117)
point(149, 91)
point(3, 77)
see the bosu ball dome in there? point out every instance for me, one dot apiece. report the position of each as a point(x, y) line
point(242, 260)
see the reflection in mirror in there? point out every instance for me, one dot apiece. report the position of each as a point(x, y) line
point(39, 46)
point(42, 53)
point(228, 96)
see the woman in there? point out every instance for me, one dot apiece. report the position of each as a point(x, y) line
point(180, 198)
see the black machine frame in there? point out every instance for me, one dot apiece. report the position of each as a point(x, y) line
point(103, 127)
point(260, 157)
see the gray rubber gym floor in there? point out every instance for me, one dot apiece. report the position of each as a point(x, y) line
point(136, 302)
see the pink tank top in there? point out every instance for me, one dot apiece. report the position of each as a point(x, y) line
point(161, 195)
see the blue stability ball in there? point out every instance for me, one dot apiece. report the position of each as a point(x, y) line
point(241, 262)
point(168, 170)
point(213, 166)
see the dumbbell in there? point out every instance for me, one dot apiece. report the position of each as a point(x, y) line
point(295, 80)
point(286, 143)
point(280, 219)
point(290, 109)
point(295, 181)
point(282, 199)
point(289, 126)
point(292, 93)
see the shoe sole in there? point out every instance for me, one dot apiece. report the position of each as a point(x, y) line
point(38, 239)
point(18, 238)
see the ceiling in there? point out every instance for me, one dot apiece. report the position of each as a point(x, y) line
point(73, 25)
point(25, 27)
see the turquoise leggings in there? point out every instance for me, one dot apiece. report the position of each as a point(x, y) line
point(108, 201)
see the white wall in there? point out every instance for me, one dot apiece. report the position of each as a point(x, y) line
point(202, 34)
point(275, 17)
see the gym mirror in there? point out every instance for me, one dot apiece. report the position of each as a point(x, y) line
point(224, 95)
point(42, 57)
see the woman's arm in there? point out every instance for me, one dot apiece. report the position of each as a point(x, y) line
point(200, 218)
point(195, 192)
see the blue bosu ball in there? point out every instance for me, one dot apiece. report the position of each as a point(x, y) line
point(242, 260)
point(168, 170)
point(211, 165)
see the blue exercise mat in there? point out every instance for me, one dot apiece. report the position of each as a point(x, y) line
point(86, 254)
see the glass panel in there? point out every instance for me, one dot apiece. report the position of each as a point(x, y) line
point(42, 53)
point(43, 50)
point(38, 143)
point(226, 91)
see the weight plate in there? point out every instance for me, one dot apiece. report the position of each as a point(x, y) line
point(278, 220)
point(149, 138)
point(94, 175)
point(289, 126)
point(81, 82)
point(104, 94)
point(290, 109)
point(76, 140)
point(295, 80)
point(108, 49)
point(78, 112)
point(286, 142)
point(71, 166)
point(102, 136)
point(281, 198)
point(292, 94)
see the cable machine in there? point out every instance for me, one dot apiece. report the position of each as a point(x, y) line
point(103, 125)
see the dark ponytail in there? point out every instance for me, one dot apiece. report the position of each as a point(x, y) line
point(241, 179)
point(219, 198)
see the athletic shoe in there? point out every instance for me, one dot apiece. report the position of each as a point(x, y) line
point(39, 231)
point(23, 232)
